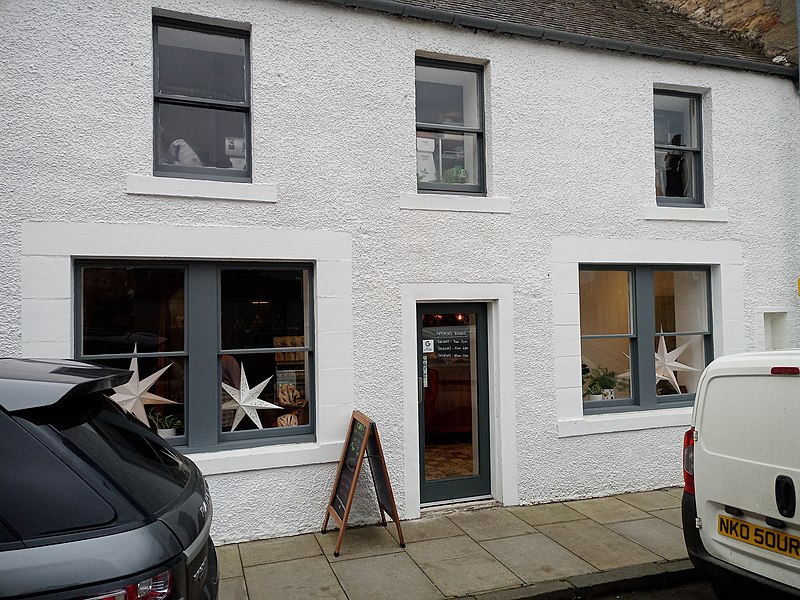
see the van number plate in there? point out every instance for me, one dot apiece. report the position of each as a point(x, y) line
point(760, 537)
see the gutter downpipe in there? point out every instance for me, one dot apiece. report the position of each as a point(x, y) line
point(543, 33)
point(797, 23)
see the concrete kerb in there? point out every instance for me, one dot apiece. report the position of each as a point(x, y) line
point(592, 585)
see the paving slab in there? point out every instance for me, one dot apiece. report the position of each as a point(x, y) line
point(647, 501)
point(490, 523)
point(301, 579)
point(536, 557)
point(607, 510)
point(670, 515)
point(232, 588)
point(230, 563)
point(459, 566)
point(598, 545)
point(656, 535)
point(674, 491)
point(385, 577)
point(276, 550)
point(358, 542)
point(543, 514)
point(428, 528)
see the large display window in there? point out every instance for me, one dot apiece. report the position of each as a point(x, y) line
point(220, 352)
point(645, 335)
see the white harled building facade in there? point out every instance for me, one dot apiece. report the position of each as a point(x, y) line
point(514, 253)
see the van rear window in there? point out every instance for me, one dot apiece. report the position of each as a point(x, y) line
point(752, 417)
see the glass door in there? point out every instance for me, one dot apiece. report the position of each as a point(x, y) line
point(453, 401)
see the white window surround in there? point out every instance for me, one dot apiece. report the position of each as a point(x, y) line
point(727, 300)
point(48, 250)
point(146, 185)
point(672, 213)
point(456, 203)
point(502, 400)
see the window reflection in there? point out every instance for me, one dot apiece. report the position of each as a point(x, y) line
point(263, 308)
point(132, 307)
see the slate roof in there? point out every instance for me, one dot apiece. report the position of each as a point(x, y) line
point(639, 26)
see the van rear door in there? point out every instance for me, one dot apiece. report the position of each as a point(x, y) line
point(747, 465)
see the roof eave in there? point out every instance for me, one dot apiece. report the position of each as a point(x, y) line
point(544, 33)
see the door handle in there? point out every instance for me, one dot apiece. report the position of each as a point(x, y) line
point(785, 496)
point(420, 390)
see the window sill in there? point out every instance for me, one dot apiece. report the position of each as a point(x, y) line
point(630, 421)
point(455, 203)
point(145, 185)
point(674, 213)
point(266, 457)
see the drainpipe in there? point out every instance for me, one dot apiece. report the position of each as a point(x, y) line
point(797, 24)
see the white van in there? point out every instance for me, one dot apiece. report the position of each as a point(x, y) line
point(741, 520)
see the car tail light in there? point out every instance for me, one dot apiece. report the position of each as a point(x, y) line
point(688, 461)
point(785, 371)
point(154, 588)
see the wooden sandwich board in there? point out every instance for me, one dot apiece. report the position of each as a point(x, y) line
point(362, 440)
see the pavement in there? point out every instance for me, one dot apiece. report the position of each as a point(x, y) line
point(565, 550)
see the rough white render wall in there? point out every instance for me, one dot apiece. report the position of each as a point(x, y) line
point(569, 141)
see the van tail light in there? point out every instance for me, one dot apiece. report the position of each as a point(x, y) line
point(688, 461)
point(154, 588)
point(785, 371)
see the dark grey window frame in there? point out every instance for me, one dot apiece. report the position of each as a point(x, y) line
point(480, 132)
point(642, 310)
point(696, 152)
point(190, 172)
point(202, 349)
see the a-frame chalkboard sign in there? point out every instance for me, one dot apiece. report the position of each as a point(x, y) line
point(362, 440)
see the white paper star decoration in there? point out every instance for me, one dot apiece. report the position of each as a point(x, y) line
point(245, 400)
point(132, 396)
point(667, 363)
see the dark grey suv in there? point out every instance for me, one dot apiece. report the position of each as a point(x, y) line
point(93, 505)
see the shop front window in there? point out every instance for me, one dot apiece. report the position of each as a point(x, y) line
point(645, 336)
point(232, 365)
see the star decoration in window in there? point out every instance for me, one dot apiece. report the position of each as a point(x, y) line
point(133, 395)
point(667, 363)
point(246, 401)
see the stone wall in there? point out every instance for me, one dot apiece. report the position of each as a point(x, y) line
point(770, 24)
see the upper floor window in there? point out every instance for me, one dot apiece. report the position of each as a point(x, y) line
point(201, 102)
point(450, 127)
point(234, 365)
point(678, 143)
point(645, 335)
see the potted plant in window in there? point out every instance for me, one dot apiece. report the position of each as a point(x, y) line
point(166, 425)
point(602, 382)
point(594, 391)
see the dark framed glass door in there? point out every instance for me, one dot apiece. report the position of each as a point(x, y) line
point(453, 401)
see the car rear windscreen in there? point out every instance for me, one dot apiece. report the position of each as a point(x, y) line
point(143, 466)
point(39, 494)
